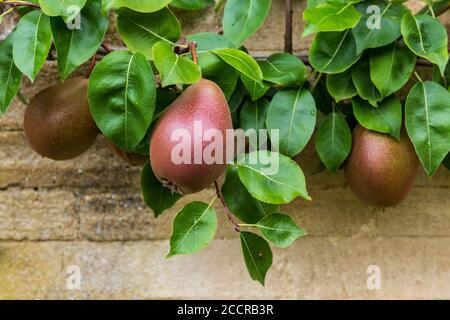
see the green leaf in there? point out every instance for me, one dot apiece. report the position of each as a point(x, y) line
point(280, 229)
point(32, 40)
point(173, 68)
point(140, 5)
point(122, 97)
point(10, 76)
point(253, 116)
point(76, 46)
point(242, 18)
point(255, 89)
point(426, 37)
point(334, 141)
point(235, 102)
point(64, 8)
point(333, 52)
point(314, 3)
point(192, 4)
point(391, 67)
point(240, 202)
point(284, 69)
point(209, 41)
point(141, 31)
point(156, 196)
point(368, 33)
point(340, 86)
point(293, 113)
point(387, 118)
point(330, 16)
point(193, 228)
point(324, 101)
point(427, 121)
point(257, 255)
point(363, 83)
point(237, 98)
point(242, 62)
point(106, 6)
point(271, 177)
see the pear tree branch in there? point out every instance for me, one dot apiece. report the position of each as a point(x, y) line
point(21, 4)
point(438, 8)
point(106, 48)
point(288, 27)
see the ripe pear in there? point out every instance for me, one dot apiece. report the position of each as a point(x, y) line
point(380, 169)
point(58, 123)
point(202, 104)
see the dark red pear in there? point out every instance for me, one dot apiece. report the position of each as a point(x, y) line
point(380, 169)
point(58, 123)
point(181, 139)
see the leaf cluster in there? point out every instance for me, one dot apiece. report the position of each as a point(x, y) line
point(363, 56)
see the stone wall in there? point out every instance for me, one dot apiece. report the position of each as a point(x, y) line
point(88, 212)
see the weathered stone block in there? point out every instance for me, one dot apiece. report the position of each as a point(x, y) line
point(37, 215)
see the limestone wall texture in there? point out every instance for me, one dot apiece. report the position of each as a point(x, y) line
point(88, 212)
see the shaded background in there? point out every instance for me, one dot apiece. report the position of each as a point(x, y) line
point(88, 212)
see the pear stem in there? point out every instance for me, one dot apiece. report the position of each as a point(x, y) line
point(193, 50)
point(230, 216)
point(288, 27)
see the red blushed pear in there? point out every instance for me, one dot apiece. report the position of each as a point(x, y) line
point(381, 170)
point(191, 128)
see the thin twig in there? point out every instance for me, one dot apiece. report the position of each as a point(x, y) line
point(302, 55)
point(21, 4)
point(423, 63)
point(288, 27)
point(230, 216)
point(442, 10)
point(107, 48)
point(22, 98)
point(182, 46)
point(438, 8)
